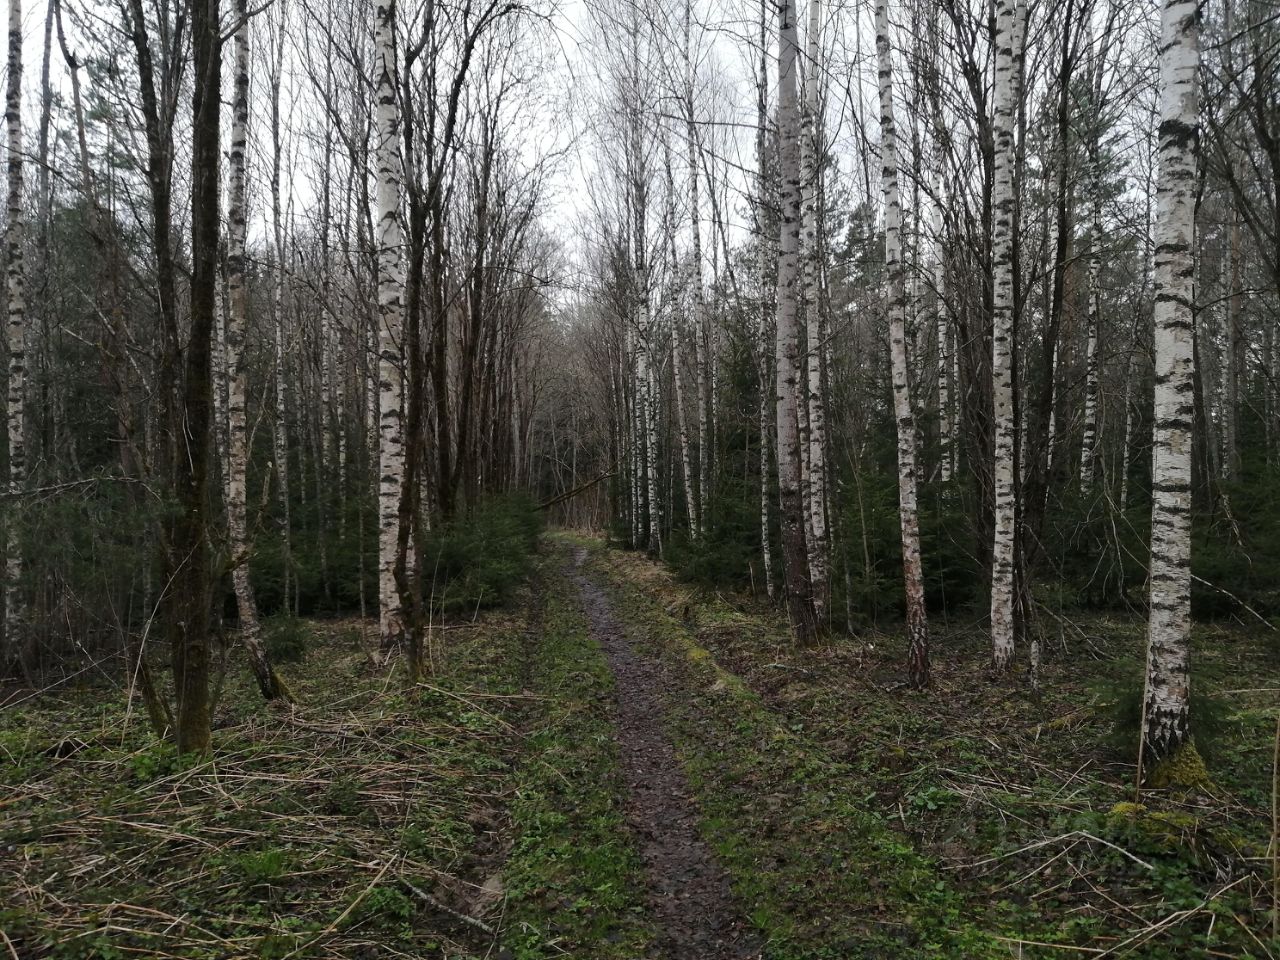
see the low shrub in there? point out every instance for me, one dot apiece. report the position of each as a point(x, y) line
point(474, 562)
point(286, 638)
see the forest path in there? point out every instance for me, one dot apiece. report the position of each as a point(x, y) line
point(692, 908)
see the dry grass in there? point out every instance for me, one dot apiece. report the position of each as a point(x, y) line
point(369, 821)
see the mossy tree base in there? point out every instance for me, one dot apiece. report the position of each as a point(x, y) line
point(1183, 769)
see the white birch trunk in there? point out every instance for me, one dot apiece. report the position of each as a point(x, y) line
point(221, 384)
point(943, 346)
point(15, 612)
point(390, 246)
point(237, 420)
point(692, 507)
point(816, 408)
point(1091, 384)
point(1166, 703)
point(1125, 446)
point(1233, 361)
point(764, 264)
point(787, 347)
point(1090, 441)
point(913, 572)
point(280, 435)
point(695, 278)
point(1002, 351)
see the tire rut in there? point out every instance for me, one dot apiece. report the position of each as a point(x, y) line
point(689, 897)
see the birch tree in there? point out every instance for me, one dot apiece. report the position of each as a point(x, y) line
point(1002, 343)
point(908, 511)
point(390, 249)
point(269, 682)
point(787, 339)
point(14, 605)
point(1169, 751)
point(695, 281)
point(812, 155)
point(767, 276)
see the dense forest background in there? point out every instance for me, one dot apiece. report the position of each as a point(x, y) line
point(533, 267)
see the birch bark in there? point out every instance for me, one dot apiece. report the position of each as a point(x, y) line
point(945, 444)
point(692, 505)
point(1088, 448)
point(816, 488)
point(913, 574)
point(763, 337)
point(390, 248)
point(1002, 350)
point(700, 332)
point(269, 682)
point(787, 339)
point(1167, 728)
point(15, 613)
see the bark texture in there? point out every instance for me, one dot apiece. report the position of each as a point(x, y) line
point(913, 573)
point(787, 339)
point(390, 247)
point(15, 613)
point(816, 485)
point(1004, 422)
point(1166, 710)
point(269, 682)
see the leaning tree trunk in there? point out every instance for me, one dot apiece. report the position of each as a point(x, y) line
point(1169, 752)
point(1002, 349)
point(913, 573)
point(269, 682)
point(787, 339)
point(15, 613)
point(390, 246)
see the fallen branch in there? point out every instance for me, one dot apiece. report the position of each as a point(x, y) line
point(574, 492)
point(436, 904)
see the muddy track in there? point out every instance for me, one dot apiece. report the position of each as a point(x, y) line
point(691, 906)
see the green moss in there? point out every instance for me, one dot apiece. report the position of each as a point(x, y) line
point(1183, 769)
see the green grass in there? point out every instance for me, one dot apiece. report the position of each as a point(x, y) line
point(574, 880)
point(856, 819)
point(856, 815)
point(815, 866)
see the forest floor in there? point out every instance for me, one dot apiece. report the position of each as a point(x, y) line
point(620, 767)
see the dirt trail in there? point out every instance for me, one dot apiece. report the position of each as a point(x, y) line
point(689, 897)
